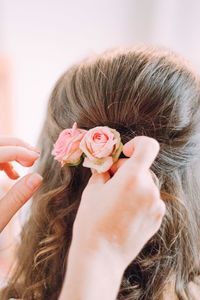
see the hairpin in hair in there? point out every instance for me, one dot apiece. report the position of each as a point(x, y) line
point(99, 147)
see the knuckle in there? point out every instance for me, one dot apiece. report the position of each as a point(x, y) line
point(20, 197)
point(154, 178)
point(155, 146)
point(162, 208)
point(19, 194)
point(149, 142)
point(152, 142)
point(149, 202)
point(158, 210)
point(151, 198)
point(155, 193)
point(132, 179)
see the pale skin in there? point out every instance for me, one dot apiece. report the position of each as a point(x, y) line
point(13, 149)
point(117, 215)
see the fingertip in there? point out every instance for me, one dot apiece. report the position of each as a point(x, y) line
point(29, 162)
point(33, 181)
point(26, 163)
point(148, 141)
point(128, 148)
point(22, 143)
point(157, 145)
point(33, 148)
point(144, 149)
point(35, 155)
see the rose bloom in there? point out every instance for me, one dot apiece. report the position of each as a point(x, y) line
point(66, 149)
point(102, 147)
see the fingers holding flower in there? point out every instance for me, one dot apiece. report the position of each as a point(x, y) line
point(100, 147)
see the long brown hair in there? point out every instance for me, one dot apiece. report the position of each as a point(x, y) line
point(141, 91)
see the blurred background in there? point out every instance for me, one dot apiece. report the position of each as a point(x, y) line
point(39, 39)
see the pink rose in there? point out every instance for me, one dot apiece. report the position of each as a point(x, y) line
point(66, 149)
point(102, 147)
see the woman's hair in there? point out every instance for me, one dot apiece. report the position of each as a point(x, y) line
point(138, 91)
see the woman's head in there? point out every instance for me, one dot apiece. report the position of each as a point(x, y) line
point(140, 91)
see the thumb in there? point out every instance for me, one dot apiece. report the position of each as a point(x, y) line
point(98, 178)
point(17, 196)
point(129, 148)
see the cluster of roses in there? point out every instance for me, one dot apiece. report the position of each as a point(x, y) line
point(99, 147)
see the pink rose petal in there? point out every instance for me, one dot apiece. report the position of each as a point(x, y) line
point(104, 166)
point(101, 146)
point(66, 149)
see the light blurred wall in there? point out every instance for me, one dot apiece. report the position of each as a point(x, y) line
point(42, 38)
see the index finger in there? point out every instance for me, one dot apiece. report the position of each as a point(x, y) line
point(13, 141)
point(20, 154)
point(142, 151)
point(17, 196)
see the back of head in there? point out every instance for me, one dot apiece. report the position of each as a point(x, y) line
point(141, 91)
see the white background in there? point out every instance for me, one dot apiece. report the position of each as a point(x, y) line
point(42, 38)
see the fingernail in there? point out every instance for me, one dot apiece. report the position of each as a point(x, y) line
point(34, 181)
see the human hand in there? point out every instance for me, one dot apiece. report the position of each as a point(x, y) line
point(119, 214)
point(13, 149)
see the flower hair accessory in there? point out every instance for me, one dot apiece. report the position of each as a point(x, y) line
point(99, 147)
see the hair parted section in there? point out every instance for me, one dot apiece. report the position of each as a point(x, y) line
point(139, 91)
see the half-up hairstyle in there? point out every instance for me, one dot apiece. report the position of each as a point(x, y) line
point(141, 91)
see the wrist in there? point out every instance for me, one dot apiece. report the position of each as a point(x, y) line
point(92, 274)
